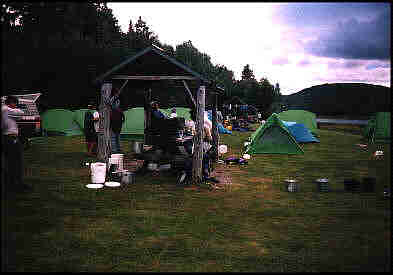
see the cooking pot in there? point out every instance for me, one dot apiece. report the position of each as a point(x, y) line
point(137, 147)
point(127, 177)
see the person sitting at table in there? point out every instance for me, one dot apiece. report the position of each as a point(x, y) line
point(173, 113)
point(206, 161)
point(156, 112)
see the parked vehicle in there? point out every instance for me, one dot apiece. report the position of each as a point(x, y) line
point(30, 122)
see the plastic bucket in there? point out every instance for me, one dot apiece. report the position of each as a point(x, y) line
point(98, 172)
point(118, 158)
point(222, 149)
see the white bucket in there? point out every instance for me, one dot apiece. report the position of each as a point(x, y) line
point(98, 172)
point(222, 149)
point(118, 159)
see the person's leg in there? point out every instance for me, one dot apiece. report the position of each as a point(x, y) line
point(118, 143)
point(113, 143)
point(19, 163)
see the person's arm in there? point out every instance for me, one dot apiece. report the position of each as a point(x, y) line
point(96, 116)
point(208, 133)
point(14, 111)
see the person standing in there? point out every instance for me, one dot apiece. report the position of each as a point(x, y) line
point(12, 146)
point(91, 129)
point(116, 121)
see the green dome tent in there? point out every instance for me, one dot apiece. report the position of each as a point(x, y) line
point(378, 128)
point(273, 137)
point(134, 123)
point(60, 122)
point(300, 116)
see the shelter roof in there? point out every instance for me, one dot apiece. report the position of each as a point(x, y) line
point(153, 63)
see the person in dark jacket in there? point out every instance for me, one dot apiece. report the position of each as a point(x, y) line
point(90, 129)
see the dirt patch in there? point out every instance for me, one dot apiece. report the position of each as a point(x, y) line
point(260, 180)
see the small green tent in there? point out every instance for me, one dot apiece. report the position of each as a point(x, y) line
point(378, 128)
point(300, 116)
point(60, 122)
point(273, 137)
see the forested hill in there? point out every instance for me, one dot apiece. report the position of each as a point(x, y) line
point(341, 99)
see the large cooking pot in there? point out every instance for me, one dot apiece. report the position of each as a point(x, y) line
point(137, 147)
point(127, 177)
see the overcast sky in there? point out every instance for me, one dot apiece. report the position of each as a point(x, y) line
point(297, 45)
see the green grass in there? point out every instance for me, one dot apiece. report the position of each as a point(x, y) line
point(251, 225)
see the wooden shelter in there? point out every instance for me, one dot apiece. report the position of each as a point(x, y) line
point(141, 70)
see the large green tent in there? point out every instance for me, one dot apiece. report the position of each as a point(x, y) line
point(134, 123)
point(273, 137)
point(378, 128)
point(300, 116)
point(60, 122)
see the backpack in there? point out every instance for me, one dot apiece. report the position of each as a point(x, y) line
point(117, 119)
point(88, 124)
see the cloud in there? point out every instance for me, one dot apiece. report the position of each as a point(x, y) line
point(280, 61)
point(341, 30)
point(355, 40)
point(302, 15)
point(303, 63)
point(344, 64)
point(374, 66)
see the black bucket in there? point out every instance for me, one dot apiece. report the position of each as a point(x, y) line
point(351, 185)
point(369, 184)
point(322, 185)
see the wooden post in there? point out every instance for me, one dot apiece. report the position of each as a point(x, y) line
point(198, 138)
point(104, 133)
point(189, 92)
point(147, 130)
point(215, 134)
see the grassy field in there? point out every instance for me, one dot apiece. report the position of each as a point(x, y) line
point(251, 225)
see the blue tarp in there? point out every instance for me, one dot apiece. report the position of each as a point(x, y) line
point(300, 132)
point(221, 128)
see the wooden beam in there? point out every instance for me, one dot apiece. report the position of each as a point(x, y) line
point(147, 109)
point(198, 138)
point(158, 77)
point(215, 134)
point(104, 134)
point(124, 84)
point(189, 92)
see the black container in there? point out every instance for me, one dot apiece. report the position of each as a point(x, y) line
point(115, 176)
point(369, 184)
point(351, 185)
point(322, 185)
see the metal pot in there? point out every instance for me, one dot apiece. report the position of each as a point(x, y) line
point(291, 185)
point(127, 177)
point(137, 147)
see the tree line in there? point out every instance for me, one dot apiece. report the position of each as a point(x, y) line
point(60, 47)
